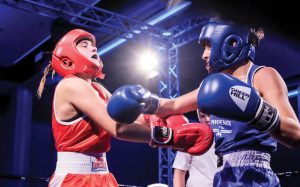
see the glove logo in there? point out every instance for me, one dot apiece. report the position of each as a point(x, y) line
point(240, 96)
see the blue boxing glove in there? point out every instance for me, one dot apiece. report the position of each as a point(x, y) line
point(227, 97)
point(128, 102)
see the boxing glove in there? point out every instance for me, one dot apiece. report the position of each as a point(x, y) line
point(175, 132)
point(128, 102)
point(225, 96)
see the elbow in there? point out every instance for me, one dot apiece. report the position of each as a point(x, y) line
point(288, 136)
point(117, 131)
point(292, 143)
point(296, 143)
point(120, 131)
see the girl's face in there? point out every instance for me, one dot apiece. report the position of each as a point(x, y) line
point(206, 55)
point(86, 48)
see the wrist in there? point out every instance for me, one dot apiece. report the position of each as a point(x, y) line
point(152, 104)
point(161, 136)
point(266, 118)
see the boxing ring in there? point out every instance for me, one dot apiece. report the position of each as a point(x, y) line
point(168, 86)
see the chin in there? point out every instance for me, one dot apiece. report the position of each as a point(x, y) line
point(96, 62)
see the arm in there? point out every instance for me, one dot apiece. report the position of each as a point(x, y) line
point(181, 165)
point(276, 94)
point(78, 95)
point(180, 105)
point(120, 128)
point(72, 90)
point(179, 178)
point(129, 101)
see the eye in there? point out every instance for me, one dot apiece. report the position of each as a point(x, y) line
point(83, 43)
point(205, 44)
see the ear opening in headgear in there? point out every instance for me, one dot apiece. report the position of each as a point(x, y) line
point(67, 62)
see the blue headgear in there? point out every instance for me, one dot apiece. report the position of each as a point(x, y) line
point(221, 37)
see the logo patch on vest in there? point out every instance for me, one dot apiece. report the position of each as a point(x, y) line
point(98, 163)
point(240, 95)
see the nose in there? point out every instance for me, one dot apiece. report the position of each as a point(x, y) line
point(207, 119)
point(93, 48)
point(206, 54)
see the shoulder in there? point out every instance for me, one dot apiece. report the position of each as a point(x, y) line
point(100, 87)
point(266, 71)
point(72, 85)
point(266, 75)
point(71, 82)
point(268, 78)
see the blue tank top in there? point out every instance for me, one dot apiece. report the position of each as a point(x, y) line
point(233, 135)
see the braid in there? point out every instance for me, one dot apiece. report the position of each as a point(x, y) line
point(260, 33)
point(256, 35)
point(43, 80)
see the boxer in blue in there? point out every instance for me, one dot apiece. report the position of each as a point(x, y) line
point(248, 104)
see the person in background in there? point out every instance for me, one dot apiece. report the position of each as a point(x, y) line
point(201, 169)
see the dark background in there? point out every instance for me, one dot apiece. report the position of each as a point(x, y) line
point(27, 147)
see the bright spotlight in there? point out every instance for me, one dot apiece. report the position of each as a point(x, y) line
point(148, 61)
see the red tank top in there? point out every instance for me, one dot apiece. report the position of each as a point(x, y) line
point(80, 135)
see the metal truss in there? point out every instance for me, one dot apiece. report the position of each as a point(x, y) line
point(187, 32)
point(169, 89)
point(181, 35)
point(92, 17)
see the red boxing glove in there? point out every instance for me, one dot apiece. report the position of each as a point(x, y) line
point(154, 120)
point(177, 133)
point(193, 138)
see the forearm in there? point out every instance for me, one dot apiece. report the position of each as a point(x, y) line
point(179, 178)
point(166, 108)
point(288, 133)
point(134, 132)
point(180, 105)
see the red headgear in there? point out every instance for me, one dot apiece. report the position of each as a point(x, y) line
point(66, 59)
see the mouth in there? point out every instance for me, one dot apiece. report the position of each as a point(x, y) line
point(95, 56)
point(207, 65)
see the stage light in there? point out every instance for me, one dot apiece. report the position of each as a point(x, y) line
point(147, 62)
point(164, 15)
point(293, 93)
point(153, 21)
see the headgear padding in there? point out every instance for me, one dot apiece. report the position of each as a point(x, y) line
point(230, 44)
point(67, 60)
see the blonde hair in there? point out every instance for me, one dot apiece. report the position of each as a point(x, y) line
point(47, 69)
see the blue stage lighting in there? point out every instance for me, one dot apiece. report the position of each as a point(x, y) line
point(153, 21)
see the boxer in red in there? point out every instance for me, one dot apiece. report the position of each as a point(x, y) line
point(82, 128)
